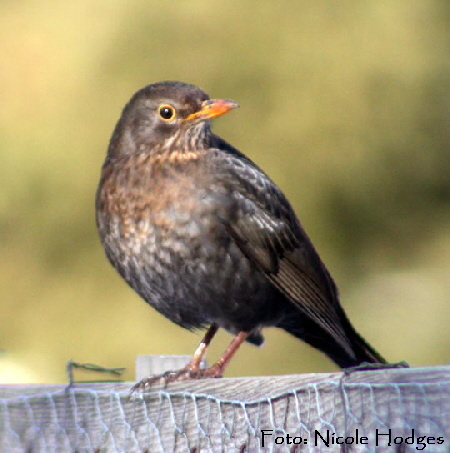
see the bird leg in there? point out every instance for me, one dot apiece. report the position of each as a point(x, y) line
point(194, 364)
point(192, 369)
point(218, 368)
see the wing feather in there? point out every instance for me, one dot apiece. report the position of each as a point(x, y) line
point(268, 233)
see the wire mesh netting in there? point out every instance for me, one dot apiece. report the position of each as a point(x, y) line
point(387, 410)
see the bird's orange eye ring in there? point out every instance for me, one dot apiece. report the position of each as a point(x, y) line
point(166, 112)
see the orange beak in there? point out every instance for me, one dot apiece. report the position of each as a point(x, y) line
point(212, 108)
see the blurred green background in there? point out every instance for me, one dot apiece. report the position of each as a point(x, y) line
point(345, 104)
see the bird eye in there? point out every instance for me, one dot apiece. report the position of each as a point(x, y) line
point(166, 112)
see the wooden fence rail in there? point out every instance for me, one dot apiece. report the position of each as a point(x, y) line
point(392, 410)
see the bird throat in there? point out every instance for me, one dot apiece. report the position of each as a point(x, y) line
point(186, 144)
point(194, 138)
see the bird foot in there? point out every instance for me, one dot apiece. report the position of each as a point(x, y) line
point(184, 374)
point(366, 366)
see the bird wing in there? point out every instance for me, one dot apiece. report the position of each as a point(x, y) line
point(269, 234)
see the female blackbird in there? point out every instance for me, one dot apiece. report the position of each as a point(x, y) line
point(206, 238)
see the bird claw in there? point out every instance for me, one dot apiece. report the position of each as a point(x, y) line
point(184, 374)
point(365, 366)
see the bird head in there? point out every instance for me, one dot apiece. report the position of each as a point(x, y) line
point(165, 116)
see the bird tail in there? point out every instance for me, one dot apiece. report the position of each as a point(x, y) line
point(364, 352)
point(358, 351)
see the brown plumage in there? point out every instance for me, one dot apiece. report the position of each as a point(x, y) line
point(206, 238)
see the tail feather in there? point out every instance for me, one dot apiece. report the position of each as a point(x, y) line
point(298, 325)
point(364, 351)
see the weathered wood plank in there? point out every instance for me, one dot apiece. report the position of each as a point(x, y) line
point(230, 414)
